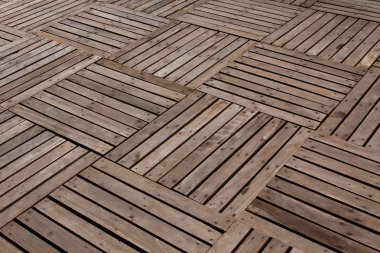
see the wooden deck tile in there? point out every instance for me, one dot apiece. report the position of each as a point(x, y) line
point(284, 83)
point(252, 19)
point(183, 53)
point(166, 8)
point(102, 29)
point(242, 238)
point(287, 237)
point(327, 192)
point(31, 15)
point(303, 3)
point(33, 162)
point(335, 37)
point(190, 126)
point(8, 35)
point(357, 118)
point(364, 9)
point(211, 150)
point(29, 65)
point(127, 214)
point(102, 105)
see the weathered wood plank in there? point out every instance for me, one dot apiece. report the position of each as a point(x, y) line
point(334, 37)
point(35, 64)
point(183, 53)
point(102, 29)
point(166, 8)
point(283, 83)
point(33, 162)
point(102, 105)
point(250, 19)
point(242, 238)
point(326, 192)
point(33, 15)
point(357, 119)
point(364, 9)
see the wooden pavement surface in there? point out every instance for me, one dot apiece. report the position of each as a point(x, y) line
point(190, 126)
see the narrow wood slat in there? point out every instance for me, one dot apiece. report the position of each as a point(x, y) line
point(318, 200)
point(121, 214)
point(167, 8)
point(335, 37)
point(183, 53)
point(33, 162)
point(227, 17)
point(243, 238)
point(304, 89)
point(19, 235)
point(102, 29)
point(33, 15)
point(360, 9)
point(189, 126)
point(29, 68)
point(102, 105)
point(208, 152)
point(356, 119)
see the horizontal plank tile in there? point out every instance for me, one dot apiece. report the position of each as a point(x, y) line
point(33, 163)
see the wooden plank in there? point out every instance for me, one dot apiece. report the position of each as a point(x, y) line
point(175, 54)
point(359, 9)
point(101, 105)
point(356, 118)
point(26, 72)
point(121, 215)
point(7, 246)
point(149, 130)
point(32, 15)
point(76, 224)
point(54, 233)
point(9, 35)
point(111, 221)
point(33, 163)
point(304, 3)
point(266, 165)
point(167, 8)
point(271, 79)
point(334, 37)
point(318, 200)
point(165, 195)
point(189, 126)
point(243, 238)
point(228, 17)
point(102, 29)
point(19, 235)
point(210, 147)
point(270, 229)
point(164, 222)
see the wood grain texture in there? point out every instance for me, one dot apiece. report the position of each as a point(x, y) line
point(183, 53)
point(356, 119)
point(31, 65)
point(32, 15)
point(102, 28)
point(33, 163)
point(250, 19)
point(101, 106)
point(325, 192)
point(365, 9)
point(166, 8)
point(283, 83)
point(332, 36)
point(189, 126)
